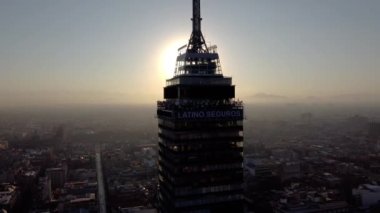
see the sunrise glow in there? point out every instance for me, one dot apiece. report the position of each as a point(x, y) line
point(169, 57)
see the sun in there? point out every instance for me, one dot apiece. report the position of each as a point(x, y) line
point(169, 57)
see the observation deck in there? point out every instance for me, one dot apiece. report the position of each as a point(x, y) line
point(199, 80)
point(198, 63)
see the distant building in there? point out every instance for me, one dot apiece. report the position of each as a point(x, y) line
point(138, 209)
point(367, 195)
point(45, 185)
point(305, 199)
point(290, 170)
point(307, 117)
point(57, 177)
point(81, 203)
point(260, 168)
point(332, 207)
point(374, 132)
point(8, 197)
point(357, 121)
point(4, 144)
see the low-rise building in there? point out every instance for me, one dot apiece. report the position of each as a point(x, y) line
point(8, 196)
point(367, 195)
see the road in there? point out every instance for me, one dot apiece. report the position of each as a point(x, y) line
point(101, 190)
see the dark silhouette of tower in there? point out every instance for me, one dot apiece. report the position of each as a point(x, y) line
point(200, 133)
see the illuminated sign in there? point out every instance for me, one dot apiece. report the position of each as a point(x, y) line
point(210, 114)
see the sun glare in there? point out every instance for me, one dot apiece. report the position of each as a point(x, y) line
point(169, 57)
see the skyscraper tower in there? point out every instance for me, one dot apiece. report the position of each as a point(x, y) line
point(200, 133)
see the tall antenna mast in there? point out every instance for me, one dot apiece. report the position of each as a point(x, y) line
point(197, 16)
point(197, 42)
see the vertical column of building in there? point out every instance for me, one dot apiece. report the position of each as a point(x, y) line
point(200, 134)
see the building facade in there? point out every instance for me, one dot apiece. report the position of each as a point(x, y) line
point(200, 133)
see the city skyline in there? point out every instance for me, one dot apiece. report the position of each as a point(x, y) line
point(72, 52)
point(130, 106)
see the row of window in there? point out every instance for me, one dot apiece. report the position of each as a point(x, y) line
point(188, 147)
point(199, 125)
point(200, 168)
point(220, 178)
point(205, 190)
point(223, 156)
point(213, 142)
point(194, 135)
point(208, 200)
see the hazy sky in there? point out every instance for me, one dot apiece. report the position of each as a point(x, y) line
point(120, 51)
